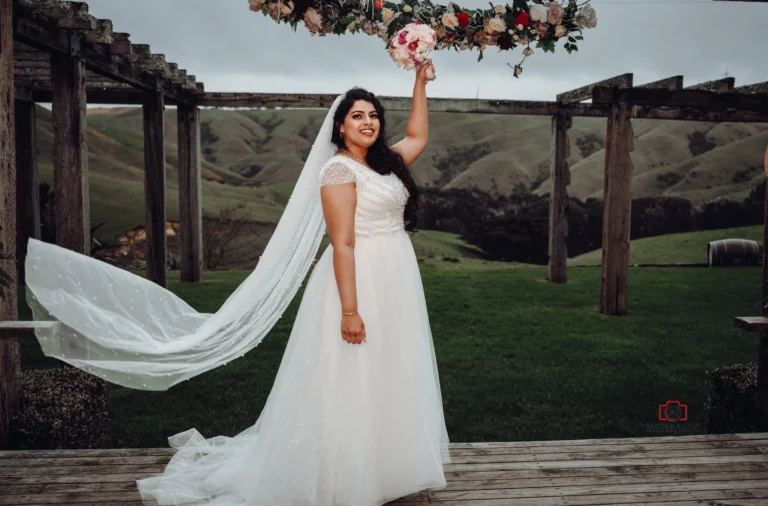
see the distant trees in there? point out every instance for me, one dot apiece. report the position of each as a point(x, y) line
point(516, 228)
point(221, 232)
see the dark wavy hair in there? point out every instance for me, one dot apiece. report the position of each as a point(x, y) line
point(380, 157)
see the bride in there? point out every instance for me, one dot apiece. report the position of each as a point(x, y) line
point(355, 414)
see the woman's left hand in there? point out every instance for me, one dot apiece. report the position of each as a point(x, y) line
point(425, 72)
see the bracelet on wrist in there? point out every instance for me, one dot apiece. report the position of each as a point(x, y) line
point(349, 314)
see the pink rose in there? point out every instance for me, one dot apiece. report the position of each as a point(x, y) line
point(555, 13)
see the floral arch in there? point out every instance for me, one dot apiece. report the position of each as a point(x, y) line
point(523, 23)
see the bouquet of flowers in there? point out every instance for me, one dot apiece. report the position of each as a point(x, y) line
point(412, 45)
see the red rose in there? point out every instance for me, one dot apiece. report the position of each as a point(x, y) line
point(523, 19)
point(413, 46)
point(378, 4)
point(463, 18)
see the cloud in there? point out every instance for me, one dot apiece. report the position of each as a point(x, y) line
point(231, 48)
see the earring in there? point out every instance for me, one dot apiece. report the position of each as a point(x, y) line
point(342, 134)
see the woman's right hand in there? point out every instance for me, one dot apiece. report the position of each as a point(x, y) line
point(352, 329)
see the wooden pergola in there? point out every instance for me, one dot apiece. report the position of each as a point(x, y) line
point(53, 51)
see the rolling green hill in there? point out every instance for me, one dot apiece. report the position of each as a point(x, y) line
point(254, 156)
point(689, 247)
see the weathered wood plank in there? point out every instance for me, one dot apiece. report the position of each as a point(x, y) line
point(718, 85)
point(31, 30)
point(699, 497)
point(39, 480)
point(23, 329)
point(121, 44)
point(10, 358)
point(617, 203)
point(650, 472)
point(190, 194)
point(148, 460)
point(560, 175)
point(585, 92)
point(27, 190)
point(70, 154)
point(751, 323)
point(13, 472)
point(87, 453)
point(586, 456)
point(680, 98)
point(576, 495)
point(669, 83)
point(555, 482)
point(689, 438)
point(154, 187)
point(613, 449)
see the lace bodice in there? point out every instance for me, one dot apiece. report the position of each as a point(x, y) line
point(380, 199)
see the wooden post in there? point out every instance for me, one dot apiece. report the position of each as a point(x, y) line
point(190, 194)
point(70, 154)
point(10, 357)
point(558, 198)
point(617, 209)
point(762, 354)
point(27, 190)
point(154, 186)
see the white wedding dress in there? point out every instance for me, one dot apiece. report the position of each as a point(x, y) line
point(344, 424)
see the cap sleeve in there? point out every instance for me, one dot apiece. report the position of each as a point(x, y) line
point(337, 173)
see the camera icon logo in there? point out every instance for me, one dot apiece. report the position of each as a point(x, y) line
point(673, 411)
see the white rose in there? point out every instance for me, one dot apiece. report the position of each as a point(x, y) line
point(527, 51)
point(387, 15)
point(587, 17)
point(516, 37)
point(449, 20)
point(499, 9)
point(497, 24)
point(538, 13)
point(560, 31)
point(518, 70)
point(255, 5)
point(511, 31)
point(286, 8)
point(407, 8)
point(519, 27)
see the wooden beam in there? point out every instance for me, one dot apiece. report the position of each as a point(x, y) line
point(718, 85)
point(681, 98)
point(617, 207)
point(33, 29)
point(585, 92)
point(154, 187)
point(560, 175)
point(10, 357)
point(190, 194)
point(670, 83)
point(761, 400)
point(121, 44)
point(70, 154)
point(25, 329)
point(27, 190)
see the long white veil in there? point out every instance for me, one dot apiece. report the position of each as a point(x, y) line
point(132, 332)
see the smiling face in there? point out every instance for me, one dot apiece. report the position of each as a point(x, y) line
point(361, 125)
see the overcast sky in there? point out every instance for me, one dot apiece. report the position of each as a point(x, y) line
point(230, 48)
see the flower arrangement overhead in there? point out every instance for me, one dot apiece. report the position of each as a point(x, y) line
point(523, 23)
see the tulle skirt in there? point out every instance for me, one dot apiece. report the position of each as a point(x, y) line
point(344, 424)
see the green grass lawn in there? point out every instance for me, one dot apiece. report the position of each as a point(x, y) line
point(689, 247)
point(519, 359)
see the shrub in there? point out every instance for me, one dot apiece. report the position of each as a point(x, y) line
point(62, 407)
point(731, 404)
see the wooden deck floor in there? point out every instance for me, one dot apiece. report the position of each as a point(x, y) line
point(670, 470)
